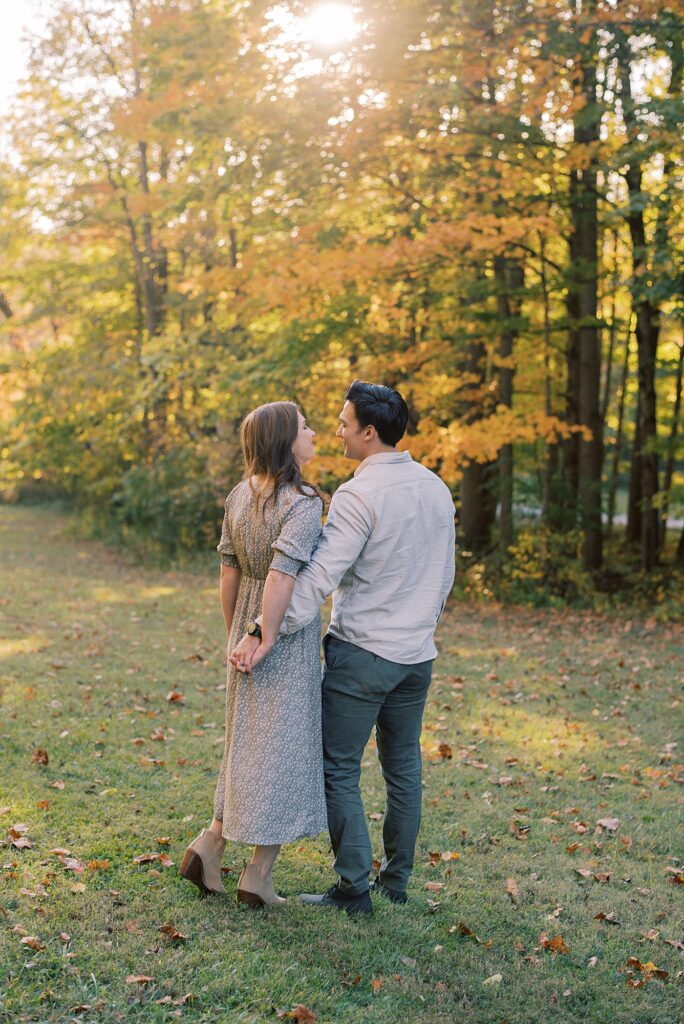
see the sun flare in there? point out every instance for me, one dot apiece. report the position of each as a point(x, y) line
point(330, 25)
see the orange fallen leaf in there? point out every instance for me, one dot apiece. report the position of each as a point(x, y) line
point(556, 944)
point(512, 889)
point(376, 984)
point(172, 933)
point(33, 942)
point(434, 886)
point(445, 751)
point(299, 1013)
point(138, 979)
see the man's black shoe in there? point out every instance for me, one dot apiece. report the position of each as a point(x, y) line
point(393, 895)
point(334, 897)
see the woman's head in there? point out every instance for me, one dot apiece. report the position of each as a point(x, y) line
point(276, 442)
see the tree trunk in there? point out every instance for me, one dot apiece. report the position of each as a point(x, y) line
point(617, 449)
point(509, 280)
point(478, 506)
point(647, 330)
point(671, 445)
point(478, 497)
point(584, 215)
point(634, 507)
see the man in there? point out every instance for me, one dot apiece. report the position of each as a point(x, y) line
point(387, 556)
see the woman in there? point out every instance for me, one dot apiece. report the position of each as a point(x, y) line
point(270, 786)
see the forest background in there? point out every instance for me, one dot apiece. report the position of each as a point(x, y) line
point(207, 205)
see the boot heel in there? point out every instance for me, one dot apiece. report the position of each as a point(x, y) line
point(250, 899)
point(191, 868)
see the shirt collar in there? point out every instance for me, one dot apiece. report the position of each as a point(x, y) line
point(383, 457)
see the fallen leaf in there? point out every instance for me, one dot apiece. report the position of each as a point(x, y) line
point(145, 858)
point(494, 979)
point(512, 889)
point(22, 843)
point(556, 944)
point(592, 961)
point(33, 942)
point(57, 784)
point(445, 751)
point(300, 1013)
point(434, 886)
point(71, 864)
point(138, 979)
point(39, 756)
point(376, 984)
point(408, 961)
point(172, 933)
point(610, 824)
point(608, 918)
point(651, 934)
point(175, 697)
point(78, 887)
point(43, 805)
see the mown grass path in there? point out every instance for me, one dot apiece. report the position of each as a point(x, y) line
point(539, 726)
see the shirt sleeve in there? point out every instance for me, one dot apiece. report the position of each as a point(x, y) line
point(449, 568)
point(299, 532)
point(225, 546)
point(344, 536)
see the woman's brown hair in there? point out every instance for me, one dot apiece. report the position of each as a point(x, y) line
point(267, 435)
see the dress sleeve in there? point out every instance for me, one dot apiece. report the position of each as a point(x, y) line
point(299, 533)
point(225, 547)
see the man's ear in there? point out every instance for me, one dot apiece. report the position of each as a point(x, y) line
point(370, 432)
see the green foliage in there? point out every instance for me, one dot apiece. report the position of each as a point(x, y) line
point(167, 508)
point(544, 569)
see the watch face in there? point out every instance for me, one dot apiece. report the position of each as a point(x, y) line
point(253, 628)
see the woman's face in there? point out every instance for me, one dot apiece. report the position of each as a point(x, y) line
point(303, 448)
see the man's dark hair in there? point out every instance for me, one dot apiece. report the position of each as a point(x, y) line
point(381, 407)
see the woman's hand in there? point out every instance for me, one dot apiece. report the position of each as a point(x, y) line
point(248, 653)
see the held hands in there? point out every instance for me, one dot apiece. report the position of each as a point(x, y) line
point(249, 652)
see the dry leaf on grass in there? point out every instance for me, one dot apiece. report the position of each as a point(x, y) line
point(33, 943)
point(608, 918)
point(299, 1013)
point(40, 756)
point(172, 933)
point(555, 944)
point(138, 979)
point(609, 824)
point(512, 889)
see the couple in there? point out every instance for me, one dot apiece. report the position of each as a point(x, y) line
point(292, 762)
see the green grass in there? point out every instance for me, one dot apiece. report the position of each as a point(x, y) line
point(550, 718)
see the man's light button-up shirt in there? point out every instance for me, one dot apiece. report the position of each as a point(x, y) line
point(387, 555)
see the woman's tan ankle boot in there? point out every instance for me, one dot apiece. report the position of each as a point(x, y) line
point(201, 862)
point(256, 891)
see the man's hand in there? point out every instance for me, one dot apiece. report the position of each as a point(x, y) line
point(249, 652)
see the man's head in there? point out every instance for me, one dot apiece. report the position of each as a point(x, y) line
point(373, 419)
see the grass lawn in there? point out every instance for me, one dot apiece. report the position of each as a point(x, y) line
point(522, 909)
